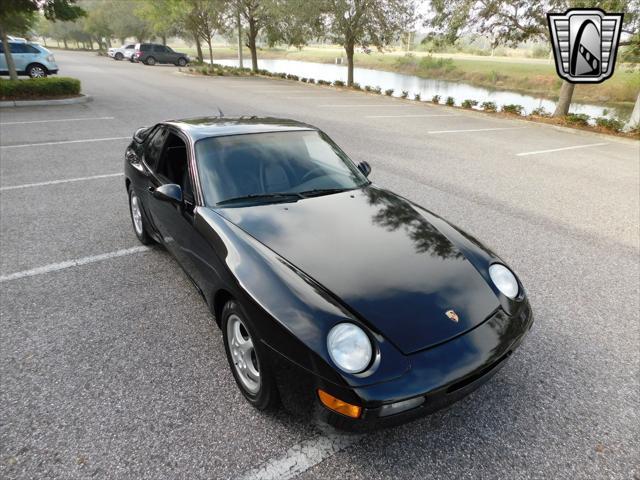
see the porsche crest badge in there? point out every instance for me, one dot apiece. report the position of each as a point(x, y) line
point(453, 316)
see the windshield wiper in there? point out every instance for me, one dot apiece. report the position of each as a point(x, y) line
point(263, 196)
point(322, 191)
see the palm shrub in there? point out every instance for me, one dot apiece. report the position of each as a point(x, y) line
point(389, 91)
point(450, 101)
point(435, 99)
point(513, 108)
point(489, 106)
point(469, 103)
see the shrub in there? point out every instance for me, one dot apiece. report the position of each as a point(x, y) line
point(304, 79)
point(338, 83)
point(577, 119)
point(450, 101)
point(609, 123)
point(540, 112)
point(435, 99)
point(404, 94)
point(389, 91)
point(355, 86)
point(489, 106)
point(367, 88)
point(48, 87)
point(469, 103)
point(512, 108)
point(293, 77)
point(416, 97)
point(377, 90)
point(323, 82)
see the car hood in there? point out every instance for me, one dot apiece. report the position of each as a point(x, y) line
point(382, 257)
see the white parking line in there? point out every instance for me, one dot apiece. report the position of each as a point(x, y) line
point(87, 140)
point(413, 116)
point(561, 149)
point(57, 120)
point(357, 105)
point(301, 457)
point(54, 267)
point(476, 130)
point(55, 182)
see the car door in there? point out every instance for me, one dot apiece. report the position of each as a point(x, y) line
point(20, 55)
point(175, 221)
point(151, 151)
point(160, 52)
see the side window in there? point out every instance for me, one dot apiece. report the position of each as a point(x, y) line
point(159, 49)
point(174, 165)
point(129, 47)
point(154, 147)
point(145, 47)
point(17, 47)
point(31, 49)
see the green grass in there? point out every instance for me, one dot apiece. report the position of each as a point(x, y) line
point(534, 77)
point(39, 88)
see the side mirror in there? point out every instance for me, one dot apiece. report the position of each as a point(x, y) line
point(169, 192)
point(365, 168)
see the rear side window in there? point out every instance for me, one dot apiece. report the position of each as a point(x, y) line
point(145, 47)
point(129, 47)
point(159, 48)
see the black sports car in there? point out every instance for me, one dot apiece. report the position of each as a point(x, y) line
point(334, 296)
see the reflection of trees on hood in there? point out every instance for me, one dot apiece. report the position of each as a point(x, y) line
point(395, 213)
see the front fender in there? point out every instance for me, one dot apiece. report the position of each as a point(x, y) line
point(295, 311)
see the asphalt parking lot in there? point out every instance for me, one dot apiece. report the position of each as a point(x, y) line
point(111, 365)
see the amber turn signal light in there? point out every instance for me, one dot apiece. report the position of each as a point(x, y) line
point(337, 405)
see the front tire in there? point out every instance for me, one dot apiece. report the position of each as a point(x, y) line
point(119, 56)
point(181, 62)
point(151, 61)
point(248, 358)
point(35, 70)
point(137, 218)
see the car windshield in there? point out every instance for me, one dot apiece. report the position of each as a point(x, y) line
point(273, 167)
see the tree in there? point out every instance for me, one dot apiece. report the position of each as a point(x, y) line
point(512, 22)
point(366, 22)
point(256, 15)
point(162, 16)
point(14, 10)
point(293, 22)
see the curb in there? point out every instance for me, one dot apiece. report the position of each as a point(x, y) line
point(42, 103)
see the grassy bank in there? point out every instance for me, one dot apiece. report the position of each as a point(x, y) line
point(534, 77)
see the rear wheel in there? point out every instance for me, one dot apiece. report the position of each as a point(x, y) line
point(119, 56)
point(248, 358)
point(35, 70)
point(151, 61)
point(137, 218)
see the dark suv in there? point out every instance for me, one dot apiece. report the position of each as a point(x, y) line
point(152, 53)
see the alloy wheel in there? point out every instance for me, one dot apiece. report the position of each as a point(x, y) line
point(245, 360)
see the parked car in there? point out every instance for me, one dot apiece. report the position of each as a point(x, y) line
point(332, 294)
point(30, 58)
point(120, 53)
point(152, 53)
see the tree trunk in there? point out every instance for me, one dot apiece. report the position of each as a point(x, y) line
point(564, 102)
point(108, 42)
point(164, 39)
point(11, 65)
point(58, 43)
point(349, 48)
point(240, 63)
point(210, 51)
point(634, 121)
point(64, 40)
point(44, 40)
point(198, 48)
point(253, 34)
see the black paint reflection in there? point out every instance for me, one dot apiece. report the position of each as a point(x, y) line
point(394, 213)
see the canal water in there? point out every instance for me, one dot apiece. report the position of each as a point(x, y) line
point(426, 87)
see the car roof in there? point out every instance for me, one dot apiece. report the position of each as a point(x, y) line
point(205, 127)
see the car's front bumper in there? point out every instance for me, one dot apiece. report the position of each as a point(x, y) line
point(438, 377)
